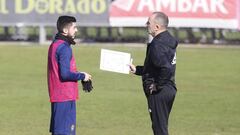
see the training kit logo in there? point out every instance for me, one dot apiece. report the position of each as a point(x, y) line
point(174, 61)
point(72, 127)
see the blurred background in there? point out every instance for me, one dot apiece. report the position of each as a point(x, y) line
point(191, 21)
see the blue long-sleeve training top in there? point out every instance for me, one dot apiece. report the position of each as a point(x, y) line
point(63, 57)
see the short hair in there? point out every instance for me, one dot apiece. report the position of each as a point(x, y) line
point(64, 21)
point(161, 18)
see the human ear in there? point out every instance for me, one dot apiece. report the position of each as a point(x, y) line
point(65, 30)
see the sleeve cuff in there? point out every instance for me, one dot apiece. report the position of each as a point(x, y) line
point(81, 76)
point(139, 70)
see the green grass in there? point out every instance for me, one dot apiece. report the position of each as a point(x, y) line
point(207, 101)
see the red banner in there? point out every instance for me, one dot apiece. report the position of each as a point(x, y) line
point(238, 12)
point(179, 11)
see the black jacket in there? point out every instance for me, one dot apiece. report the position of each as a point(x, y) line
point(160, 61)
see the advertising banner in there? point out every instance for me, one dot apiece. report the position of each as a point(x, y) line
point(30, 12)
point(182, 13)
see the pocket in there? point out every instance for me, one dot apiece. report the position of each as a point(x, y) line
point(149, 86)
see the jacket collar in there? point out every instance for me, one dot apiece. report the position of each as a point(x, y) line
point(65, 38)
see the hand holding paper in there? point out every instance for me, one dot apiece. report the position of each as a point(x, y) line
point(132, 68)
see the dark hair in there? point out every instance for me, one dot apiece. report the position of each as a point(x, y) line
point(64, 21)
point(161, 18)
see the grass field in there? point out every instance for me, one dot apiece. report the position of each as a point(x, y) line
point(207, 101)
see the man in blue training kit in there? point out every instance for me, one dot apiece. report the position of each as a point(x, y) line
point(158, 72)
point(63, 78)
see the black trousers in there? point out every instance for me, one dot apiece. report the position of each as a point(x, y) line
point(160, 105)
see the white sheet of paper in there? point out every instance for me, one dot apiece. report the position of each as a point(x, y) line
point(115, 61)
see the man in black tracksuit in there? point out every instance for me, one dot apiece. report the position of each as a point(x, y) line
point(158, 72)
